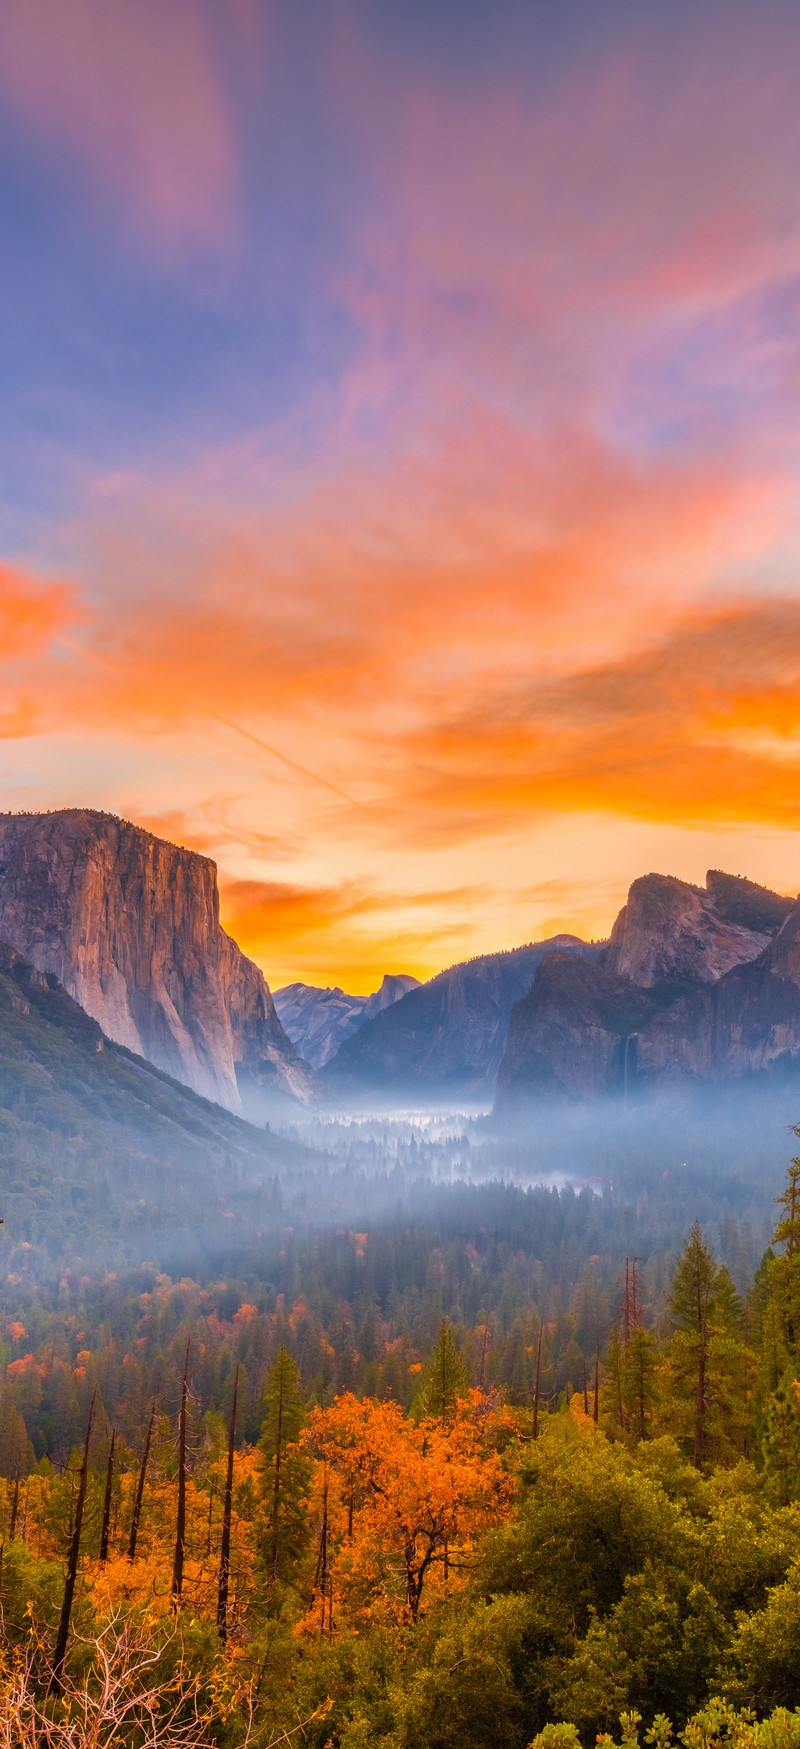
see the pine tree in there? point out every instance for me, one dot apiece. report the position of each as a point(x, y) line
point(612, 1393)
point(639, 1382)
point(180, 1518)
point(287, 1471)
point(139, 1497)
point(444, 1378)
point(781, 1442)
point(786, 1268)
point(707, 1354)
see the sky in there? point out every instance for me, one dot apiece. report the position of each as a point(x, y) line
point(399, 448)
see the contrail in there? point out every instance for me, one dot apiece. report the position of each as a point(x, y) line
point(292, 764)
point(227, 723)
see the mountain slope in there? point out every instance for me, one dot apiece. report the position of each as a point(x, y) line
point(129, 925)
point(100, 1152)
point(694, 985)
point(445, 1038)
point(319, 1020)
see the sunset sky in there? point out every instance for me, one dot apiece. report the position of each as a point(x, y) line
point(399, 453)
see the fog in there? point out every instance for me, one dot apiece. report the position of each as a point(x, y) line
point(258, 1203)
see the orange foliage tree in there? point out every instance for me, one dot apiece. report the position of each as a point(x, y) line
point(412, 1496)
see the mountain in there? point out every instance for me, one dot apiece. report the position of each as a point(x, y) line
point(446, 1037)
point(102, 1156)
point(129, 925)
point(319, 1020)
point(695, 985)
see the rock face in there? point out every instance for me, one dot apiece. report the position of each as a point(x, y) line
point(129, 925)
point(319, 1020)
point(694, 985)
point(445, 1038)
point(669, 929)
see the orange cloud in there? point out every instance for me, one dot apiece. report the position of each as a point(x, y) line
point(498, 552)
point(702, 728)
point(342, 933)
point(31, 613)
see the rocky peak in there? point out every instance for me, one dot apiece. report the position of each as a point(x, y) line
point(671, 931)
point(393, 986)
point(129, 925)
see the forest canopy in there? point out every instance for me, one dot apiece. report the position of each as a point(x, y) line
point(519, 1498)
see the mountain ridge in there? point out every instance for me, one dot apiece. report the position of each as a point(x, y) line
point(687, 990)
point(446, 1037)
point(319, 1019)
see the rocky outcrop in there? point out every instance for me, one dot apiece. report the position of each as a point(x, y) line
point(694, 985)
point(446, 1038)
point(129, 925)
point(671, 930)
point(319, 1020)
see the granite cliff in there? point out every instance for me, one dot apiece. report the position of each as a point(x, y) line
point(129, 925)
point(695, 985)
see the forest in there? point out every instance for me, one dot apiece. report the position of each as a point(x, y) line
point(501, 1470)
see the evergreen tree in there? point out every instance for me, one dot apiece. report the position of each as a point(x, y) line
point(781, 1442)
point(612, 1387)
point(444, 1378)
point(287, 1470)
point(639, 1382)
point(706, 1355)
point(785, 1272)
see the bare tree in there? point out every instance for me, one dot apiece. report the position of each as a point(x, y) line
point(180, 1524)
point(56, 1674)
point(137, 1504)
point(106, 1520)
point(122, 1697)
point(225, 1546)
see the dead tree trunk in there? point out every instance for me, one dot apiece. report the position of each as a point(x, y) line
point(12, 1528)
point(106, 1520)
point(180, 1524)
point(137, 1504)
point(537, 1383)
point(56, 1686)
point(225, 1546)
point(321, 1575)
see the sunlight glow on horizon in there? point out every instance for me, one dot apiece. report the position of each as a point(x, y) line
point(400, 458)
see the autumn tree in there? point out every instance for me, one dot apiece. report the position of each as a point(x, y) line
point(424, 1491)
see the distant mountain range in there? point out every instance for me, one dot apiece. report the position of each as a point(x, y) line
point(319, 1020)
point(696, 986)
point(446, 1038)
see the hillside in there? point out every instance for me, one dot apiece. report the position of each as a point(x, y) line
point(103, 1157)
